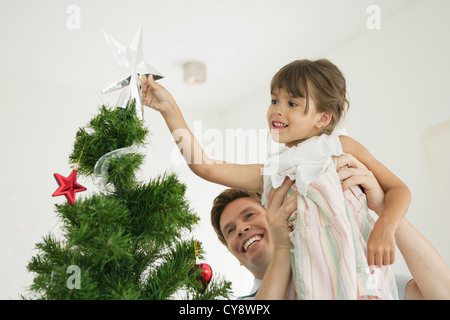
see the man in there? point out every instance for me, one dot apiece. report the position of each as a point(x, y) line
point(259, 238)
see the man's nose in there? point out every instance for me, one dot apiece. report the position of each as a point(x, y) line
point(243, 229)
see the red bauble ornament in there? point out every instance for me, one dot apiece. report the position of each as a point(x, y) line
point(206, 275)
point(68, 186)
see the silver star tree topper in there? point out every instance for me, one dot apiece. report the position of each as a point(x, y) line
point(131, 65)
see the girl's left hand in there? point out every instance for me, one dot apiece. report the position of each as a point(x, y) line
point(381, 245)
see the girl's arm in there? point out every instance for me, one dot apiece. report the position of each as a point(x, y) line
point(430, 272)
point(246, 177)
point(381, 243)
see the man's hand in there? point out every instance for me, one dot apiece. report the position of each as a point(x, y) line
point(278, 212)
point(351, 172)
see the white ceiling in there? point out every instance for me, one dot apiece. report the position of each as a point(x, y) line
point(243, 43)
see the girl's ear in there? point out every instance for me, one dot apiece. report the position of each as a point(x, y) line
point(324, 120)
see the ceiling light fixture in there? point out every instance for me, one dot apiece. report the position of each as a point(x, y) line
point(194, 72)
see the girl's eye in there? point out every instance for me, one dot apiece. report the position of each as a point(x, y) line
point(274, 101)
point(293, 104)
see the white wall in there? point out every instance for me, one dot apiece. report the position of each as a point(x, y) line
point(398, 79)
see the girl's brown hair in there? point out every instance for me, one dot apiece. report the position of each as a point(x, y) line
point(321, 80)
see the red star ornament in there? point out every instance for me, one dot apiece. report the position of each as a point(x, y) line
point(68, 186)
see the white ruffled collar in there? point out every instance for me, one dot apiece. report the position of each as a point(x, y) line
point(302, 163)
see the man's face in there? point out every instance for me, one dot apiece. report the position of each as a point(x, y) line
point(243, 224)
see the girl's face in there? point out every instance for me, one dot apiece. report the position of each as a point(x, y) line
point(288, 122)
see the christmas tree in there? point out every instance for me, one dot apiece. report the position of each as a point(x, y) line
point(131, 242)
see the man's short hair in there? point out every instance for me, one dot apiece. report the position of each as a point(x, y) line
point(220, 203)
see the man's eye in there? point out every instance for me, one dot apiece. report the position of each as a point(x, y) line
point(230, 230)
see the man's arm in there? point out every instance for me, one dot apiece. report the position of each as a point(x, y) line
point(276, 279)
point(278, 273)
point(430, 272)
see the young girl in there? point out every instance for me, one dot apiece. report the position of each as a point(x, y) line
point(335, 240)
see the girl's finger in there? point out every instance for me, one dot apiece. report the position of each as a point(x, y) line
point(373, 269)
point(151, 81)
point(386, 259)
point(378, 259)
point(392, 256)
point(370, 259)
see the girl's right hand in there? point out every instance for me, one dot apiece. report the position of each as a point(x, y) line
point(155, 95)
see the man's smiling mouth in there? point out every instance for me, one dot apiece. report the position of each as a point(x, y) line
point(250, 242)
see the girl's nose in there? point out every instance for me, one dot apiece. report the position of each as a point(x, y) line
point(277, 110)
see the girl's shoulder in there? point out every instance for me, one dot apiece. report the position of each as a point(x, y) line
point(346, 140)
point(350, 145)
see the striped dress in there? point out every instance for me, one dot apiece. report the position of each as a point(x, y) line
point(330, 228)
